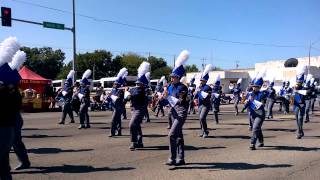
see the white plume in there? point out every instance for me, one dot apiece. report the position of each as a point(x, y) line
point(183, 79)
point(125, 74)
point(217, 78)
point(312, 81)
point(239, 81)
point(292, 82)
point(143, 68)
point(309, 77)
point(8, 48)
point(70, 75)
point(163, 78)
point(86, 74)
point(148, 76)
point(301, 70)
point(182, 58)
point(207, 69)
point(261, 73)
point(253, 75)
point(122, 73)
point(18, 59)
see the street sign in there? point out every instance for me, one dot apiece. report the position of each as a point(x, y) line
point(53, 25)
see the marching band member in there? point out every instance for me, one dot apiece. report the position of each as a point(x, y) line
point(313, 93)
point(299, 105)
point(138, 99)
point(203, 94)
point(191, 91)
point(307, 86)
point(117, 96)
point(271, 96)
point(176, 93)
point(216, 94)
point(18, 146)
point(257, 112)
point(161, 100)
point(236, 91)
point(10, 103)
point(84, 96)
point(67, 98)
point(286, 93)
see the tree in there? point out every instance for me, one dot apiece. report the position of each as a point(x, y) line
point(99, 60)
point(191, 68)
point(159, 67)
point(132, 62)
point(44, 61)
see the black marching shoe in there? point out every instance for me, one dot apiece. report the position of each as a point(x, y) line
point(22, 166)
point(252, 147)
point(61, 122)
point(180, 162)
point(88, 126)
point(81, 127)
point(72, 121)
point(132, 147)
point(261, 145)
point(140, 145)
point(170, 162)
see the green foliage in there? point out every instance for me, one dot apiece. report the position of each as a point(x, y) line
point(99, 60)
point(49, 63)
point(44, 61)
point(191, 68)
point(132, 62)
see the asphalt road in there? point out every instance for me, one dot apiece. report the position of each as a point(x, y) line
point(64, 152)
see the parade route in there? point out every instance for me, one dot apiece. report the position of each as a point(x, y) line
point(64, 152)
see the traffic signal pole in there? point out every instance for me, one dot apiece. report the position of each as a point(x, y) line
point(6, 21)
point(74, 40)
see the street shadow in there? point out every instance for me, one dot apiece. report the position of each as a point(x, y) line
point(30, 129)
point(103, 128)
point(122, 136)
point(198, 128)
point(291, 148)
point(229, 166)
point(98, 123)
point(236, 124)
point(37, 129)
point(54, 150)
point(42, 136)
point(279, 129)
point(311, 137)
point(230, 137)
point(187, 148)
point(160, 122)
point(71, 169)
point(155, 135)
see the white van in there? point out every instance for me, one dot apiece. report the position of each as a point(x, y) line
point(57, 84)
point(153, 84)
point(107, 83)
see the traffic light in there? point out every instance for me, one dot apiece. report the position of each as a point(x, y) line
point(6, 16)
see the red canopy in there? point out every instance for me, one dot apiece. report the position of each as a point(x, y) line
point(32, 79)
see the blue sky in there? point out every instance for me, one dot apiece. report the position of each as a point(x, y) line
point(287, 22)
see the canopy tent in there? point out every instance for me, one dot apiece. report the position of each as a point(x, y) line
point(34, 88)
point(30, 79)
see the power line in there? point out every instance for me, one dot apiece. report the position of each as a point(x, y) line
point(160, 30)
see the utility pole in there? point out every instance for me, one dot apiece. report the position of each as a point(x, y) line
point(93, 71)
point(74, 40)
point(203, 64)
point(237, 64)
point(174, 60)
point(309, 58)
